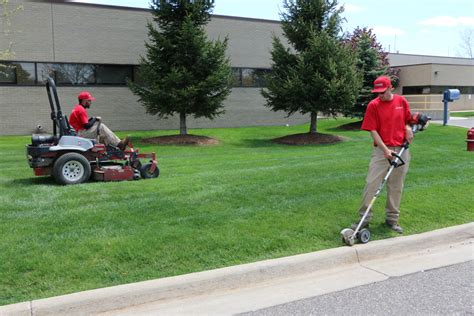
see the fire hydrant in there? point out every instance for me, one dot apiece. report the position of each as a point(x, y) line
point(470, 139)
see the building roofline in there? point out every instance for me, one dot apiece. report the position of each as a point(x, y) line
point(424, 64)
point(419, 55)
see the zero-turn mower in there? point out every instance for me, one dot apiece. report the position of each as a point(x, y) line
point(71, 159)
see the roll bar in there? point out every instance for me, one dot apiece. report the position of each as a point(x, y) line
point(60, 122)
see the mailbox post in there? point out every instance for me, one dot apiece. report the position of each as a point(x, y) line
point(449, 95)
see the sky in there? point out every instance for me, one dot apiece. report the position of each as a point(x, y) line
point(423, 27)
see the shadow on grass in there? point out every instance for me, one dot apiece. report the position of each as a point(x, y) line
point(348, 127)
point(257, 143)
point(34, 181)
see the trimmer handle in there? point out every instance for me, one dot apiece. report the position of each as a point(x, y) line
point(398, 162)
point(395, 163)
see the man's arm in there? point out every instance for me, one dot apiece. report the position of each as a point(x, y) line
point(408, 133)
point(91, 122)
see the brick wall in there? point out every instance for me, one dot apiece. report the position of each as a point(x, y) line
point(24, 108)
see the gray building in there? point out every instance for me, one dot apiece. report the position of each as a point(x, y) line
point(95, 47)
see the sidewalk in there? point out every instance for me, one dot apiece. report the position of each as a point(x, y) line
point(467, 122)
point(257, 285)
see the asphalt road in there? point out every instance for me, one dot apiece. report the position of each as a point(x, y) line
point(443, 291)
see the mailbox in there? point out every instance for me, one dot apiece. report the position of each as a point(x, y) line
point(451, 94)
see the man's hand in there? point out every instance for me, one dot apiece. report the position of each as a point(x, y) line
point(388, 153)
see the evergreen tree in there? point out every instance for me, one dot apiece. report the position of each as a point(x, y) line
point(372, 62)
point(183, 73)
point(318, 74)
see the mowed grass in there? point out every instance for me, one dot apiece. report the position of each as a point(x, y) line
point(244, 200)
point(462, 114)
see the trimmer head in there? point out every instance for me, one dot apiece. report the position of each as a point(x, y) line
point(347, 235)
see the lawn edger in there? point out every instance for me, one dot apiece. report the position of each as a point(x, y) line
point(419, 122)
point(71, 159)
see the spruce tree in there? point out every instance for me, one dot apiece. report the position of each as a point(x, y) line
point(318, 73)
point(183, 72)
point(372, 62)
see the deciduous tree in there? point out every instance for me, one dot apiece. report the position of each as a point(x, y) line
point(372, 61)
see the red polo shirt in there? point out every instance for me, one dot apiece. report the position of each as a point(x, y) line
point(78, 118)
point(388, 118)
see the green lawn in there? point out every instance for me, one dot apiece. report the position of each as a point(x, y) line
point(244, 200)
point(462, 114)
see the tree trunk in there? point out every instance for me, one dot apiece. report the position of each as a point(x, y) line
point(314, 123)
point(182, 124)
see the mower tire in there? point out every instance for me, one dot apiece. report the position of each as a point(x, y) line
point(147, 174)
point(71, 168)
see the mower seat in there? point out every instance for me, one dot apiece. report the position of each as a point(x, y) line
point(38, 139)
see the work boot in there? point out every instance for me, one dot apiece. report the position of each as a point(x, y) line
point(364, 225)
point(395, 227)
point(123, 143)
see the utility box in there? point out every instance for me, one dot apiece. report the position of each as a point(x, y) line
point(450, 95)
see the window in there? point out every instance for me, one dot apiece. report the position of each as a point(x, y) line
point(108, 74)
point(259, 75)
point(7, 73)
point(17, 73)
point(237, 81)
point(249, 77)
point(25, 73)
point(43, 71)
point(67, 74)
point(74, 74)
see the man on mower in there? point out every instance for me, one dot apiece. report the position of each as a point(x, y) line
point(93, 127)
point(388, 120)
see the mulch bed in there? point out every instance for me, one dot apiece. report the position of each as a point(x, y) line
point(181, 140)
point(309, 139)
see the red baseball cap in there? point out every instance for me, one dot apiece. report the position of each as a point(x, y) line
point(85, 95)
point(381, 84)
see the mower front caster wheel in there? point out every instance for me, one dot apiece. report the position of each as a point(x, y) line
point(71, 168)
point(146, 172)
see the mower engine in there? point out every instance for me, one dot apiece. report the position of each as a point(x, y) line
point(419, 121)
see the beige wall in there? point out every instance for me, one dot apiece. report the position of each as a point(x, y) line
point(82, 33)
point(437, 75)
point(24, 108)
point(410, 59)
point(76, 33)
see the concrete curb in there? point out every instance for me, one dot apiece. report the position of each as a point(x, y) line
point(122, 296)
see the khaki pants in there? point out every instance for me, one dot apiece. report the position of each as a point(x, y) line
point(378, 168)
point(102, 133)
